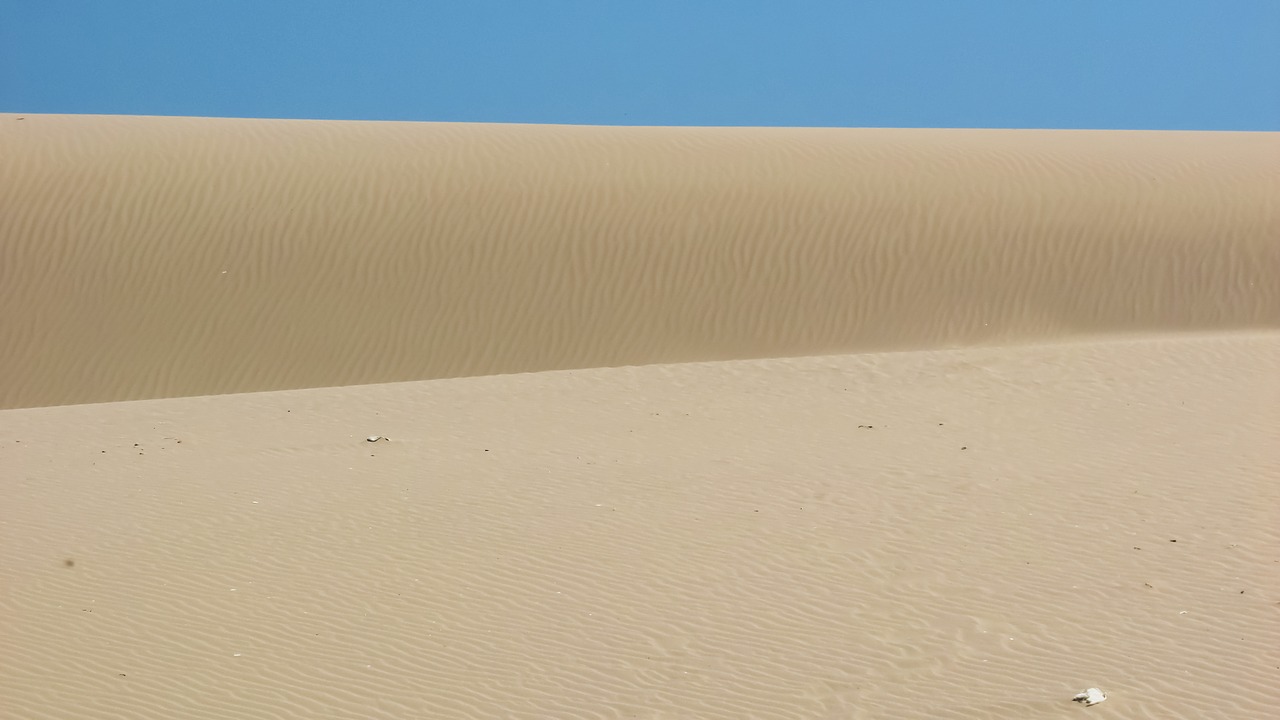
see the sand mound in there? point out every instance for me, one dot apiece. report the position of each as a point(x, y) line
point(151, 257)
point(946, 532)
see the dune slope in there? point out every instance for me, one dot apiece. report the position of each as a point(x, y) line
point(152, 257)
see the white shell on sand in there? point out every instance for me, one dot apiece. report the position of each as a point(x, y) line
point(1092, 696)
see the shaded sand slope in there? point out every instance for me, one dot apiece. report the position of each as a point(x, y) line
point(146, 257)
point(962, 534)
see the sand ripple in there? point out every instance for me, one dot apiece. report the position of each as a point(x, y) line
point(153, 257)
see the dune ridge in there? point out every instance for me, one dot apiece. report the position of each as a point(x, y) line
point(153, 257)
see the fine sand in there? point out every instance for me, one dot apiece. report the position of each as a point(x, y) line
point(161, 257)
point(680, 423)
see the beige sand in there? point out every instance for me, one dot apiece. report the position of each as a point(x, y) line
point(687, 541)
point(1069, 478)
point(155, 257)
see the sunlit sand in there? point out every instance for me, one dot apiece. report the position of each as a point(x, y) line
point(397, 420)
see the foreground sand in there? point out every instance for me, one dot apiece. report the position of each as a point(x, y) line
point(952, 534)
point(1068, 476)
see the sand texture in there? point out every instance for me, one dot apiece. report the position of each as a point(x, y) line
point(692, 424)
point(159, 257)
point(950, 534)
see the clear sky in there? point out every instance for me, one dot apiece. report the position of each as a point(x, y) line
point(1157, 64)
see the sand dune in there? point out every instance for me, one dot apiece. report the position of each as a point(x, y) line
point(152, 257)
point(1066, 475)
point(968, 534)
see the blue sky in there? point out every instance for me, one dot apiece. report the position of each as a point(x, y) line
point(1157, 64)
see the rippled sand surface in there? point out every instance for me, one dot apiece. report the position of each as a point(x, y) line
point(692, 423)
point(159, 257)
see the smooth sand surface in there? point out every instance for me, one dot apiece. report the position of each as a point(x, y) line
point(705, 489)
point(159, 257)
